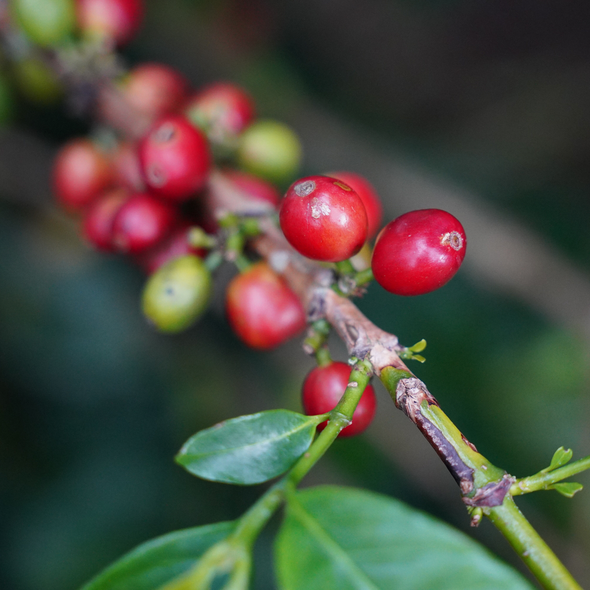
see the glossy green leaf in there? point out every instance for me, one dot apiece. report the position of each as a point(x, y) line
point(249, 449)
point(560, 457)
point(344, 539)
point(567, 489)
point(160, 560)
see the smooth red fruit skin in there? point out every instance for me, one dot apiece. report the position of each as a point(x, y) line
point(323, 219)
point(142, 222)
point(322, 389)
point(154, 89)
point(364, 189)
point(254, 187)
point(127, 169)
point(175, 245)
point(97, 224)
point(80, 173)
point(418, 252)
point(221, 109)
point(175, 158)
point(117, 20)
point(261, 308)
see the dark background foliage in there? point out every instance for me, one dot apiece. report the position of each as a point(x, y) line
point(477, 108)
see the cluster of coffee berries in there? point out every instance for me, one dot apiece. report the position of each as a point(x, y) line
point(153, 195)
point(142, 198)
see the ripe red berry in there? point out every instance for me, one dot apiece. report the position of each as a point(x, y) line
point(154, 89)
point(175, 245)
point(142, 222)
point(364, 189)
point(418, 252)
point(322, 389)
point(127, 169)
point(323, 219)
point(222, 110)
point(175, 158)
point(262, 309)
point(97, 225)
point(80, 173)
point(115, 20)
point(254, 187)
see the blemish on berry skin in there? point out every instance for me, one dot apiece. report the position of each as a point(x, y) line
point(452, 239)
point(164, 133)
point(319, 208)
point(342, 186)
point(156, 176)
point(304, 188)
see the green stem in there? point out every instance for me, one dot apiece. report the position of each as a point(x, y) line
point(345, 267)
point(531, 548)
point(543, 481)
point(340, 417)
point(316, 336)
point(363, 277)
point(255, 519)
point(482, 484)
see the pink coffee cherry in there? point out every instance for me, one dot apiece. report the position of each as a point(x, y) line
point(418, 252)
point(114, 20)
point(323, 219)
point(154, 89)
point(221, 109)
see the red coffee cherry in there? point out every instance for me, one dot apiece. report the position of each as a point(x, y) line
point(126, 166)
point(80, 173)
point(254, 187)
point(364, 189)
point(261, 308)
point(323, 219)
point(175, 245)
point(142, 222)
point(221, 110)
point(97, 225)
point(175, 158)
point(418, 252)
point(114, 20)
point(322, 389)
point(154, 89)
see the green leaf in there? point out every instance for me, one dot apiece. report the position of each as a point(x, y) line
point(249, 449)
point(560, 457)
point(567, 489)
point(160, 560)
point(344, 539)
point(419, 346)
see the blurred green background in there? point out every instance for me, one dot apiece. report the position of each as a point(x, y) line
point(477, 108)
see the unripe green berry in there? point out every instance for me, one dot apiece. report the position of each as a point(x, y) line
point(46, 22)
point(177, 293)
point(271, 150)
